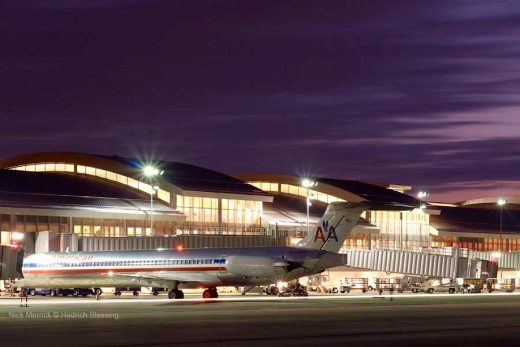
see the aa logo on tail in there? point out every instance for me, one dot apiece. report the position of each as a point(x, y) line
point(330, 230)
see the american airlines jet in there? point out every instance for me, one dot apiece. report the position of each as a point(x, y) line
point(198, 268)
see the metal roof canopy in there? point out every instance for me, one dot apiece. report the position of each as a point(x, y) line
point(176, 178)
point(467, 221)
point(349, 190)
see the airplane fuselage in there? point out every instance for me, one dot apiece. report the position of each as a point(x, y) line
point(188, 268)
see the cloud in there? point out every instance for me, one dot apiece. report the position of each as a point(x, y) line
point(422, 94)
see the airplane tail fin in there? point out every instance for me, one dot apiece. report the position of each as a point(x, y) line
point(334, 227)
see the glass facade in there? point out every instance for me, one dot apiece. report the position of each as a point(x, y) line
point(409, 230)
point(477, 243)
point(241, 212)
point(120, 227)
point(295, 190)
point(101, 227)
point(266, 186)
point(218, 216)
point(28, 223)
point(199, 209)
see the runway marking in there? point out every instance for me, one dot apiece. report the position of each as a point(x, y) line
point(80, 301)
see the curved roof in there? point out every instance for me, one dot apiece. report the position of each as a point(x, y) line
point(44, 191)
point(348, 190)
point(475, 220)
point(71, 185)
point(195, 178)
point(371, 192)
point(513, 202)
point(177, 178)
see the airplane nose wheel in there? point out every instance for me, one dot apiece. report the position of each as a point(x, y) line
point(175, 294)
point(210, 293)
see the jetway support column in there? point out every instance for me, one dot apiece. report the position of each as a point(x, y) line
point(11, 261)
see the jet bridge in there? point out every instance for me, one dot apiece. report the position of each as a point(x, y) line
point(11, 261)
point(505, 260)
point(453, 265)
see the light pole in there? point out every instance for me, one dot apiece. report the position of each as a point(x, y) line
point(501, 204)
point(152, 193)
point(420, 195)
point(308, 183)
point(150, 172)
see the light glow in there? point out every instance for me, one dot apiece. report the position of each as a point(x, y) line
point(16, 236)
point(501, 202)
point(422, 195)
point(308, 183)
point(281, 285)
point(150, 171)
point(294, 241)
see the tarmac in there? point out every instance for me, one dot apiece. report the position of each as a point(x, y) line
point(253, 320)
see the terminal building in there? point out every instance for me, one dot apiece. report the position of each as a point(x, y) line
point(83, 202)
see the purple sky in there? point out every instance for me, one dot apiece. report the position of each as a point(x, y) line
point(418, 93)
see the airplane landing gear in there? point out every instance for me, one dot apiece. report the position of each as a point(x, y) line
point(175, 294)
point(210, 293)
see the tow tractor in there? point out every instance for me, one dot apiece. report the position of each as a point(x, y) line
point(285, 289)
point(294, 289)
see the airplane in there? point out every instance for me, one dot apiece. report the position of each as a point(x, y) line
point(178, 269)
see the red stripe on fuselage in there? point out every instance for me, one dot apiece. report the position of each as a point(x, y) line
point(148, 269)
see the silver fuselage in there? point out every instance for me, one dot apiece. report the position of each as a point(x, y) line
point(188, 268)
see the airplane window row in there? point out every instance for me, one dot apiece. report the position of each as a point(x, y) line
point(129, 263)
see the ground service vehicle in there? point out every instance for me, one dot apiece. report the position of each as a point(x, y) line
point(272, 290)
point(388, 284)
point(440, 288)
point(83, 292)
point(135, 290)
point(473, 285)
point(293, 289)
point(355, 283)
point(157, 290)
point(507, 285)
point(62, 291)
